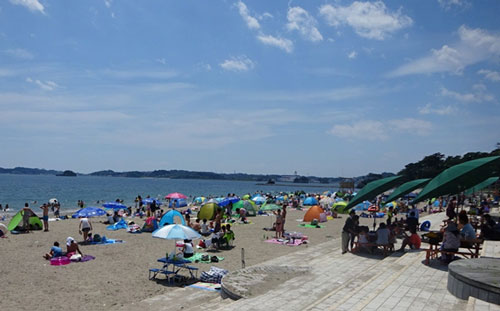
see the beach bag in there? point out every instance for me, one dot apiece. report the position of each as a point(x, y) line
point(214, 259)
point(214, 275)
point(314, 222)
point(76, 257)
point(205, 258)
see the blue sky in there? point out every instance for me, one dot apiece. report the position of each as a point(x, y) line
point(325, 88)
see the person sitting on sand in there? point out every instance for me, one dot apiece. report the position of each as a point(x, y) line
point(413, 241)
point(382, 234)
point(204, 230)
point(197, 225)
point(228, 237)
point(55, 251)
point(188, 250)
point(242, 213)
point(72, 247)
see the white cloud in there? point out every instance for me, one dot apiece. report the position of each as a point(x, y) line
point(300, 20)
point(238, 64)
point(474, 46)
point(32, 5)
point(448, 4)
point(162, 61)
point(370, 20)
point(282, 43)
point(479, 95)
point(490, 75)
point(352, 55)
point(251, 21)
point(44, 85)
point(108, 3)
point(19, 53)
point(377, 130)
point(429, 109)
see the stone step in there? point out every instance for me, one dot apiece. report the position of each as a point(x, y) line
point(331, 272)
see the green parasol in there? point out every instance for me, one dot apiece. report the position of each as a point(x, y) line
point(459, 177)
point(407, 188)
point(270, 207)
point(481, 185)
point(373, 189)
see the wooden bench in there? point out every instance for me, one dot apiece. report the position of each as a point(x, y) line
point(468, 249)
point(386, 248)
point(153, 272)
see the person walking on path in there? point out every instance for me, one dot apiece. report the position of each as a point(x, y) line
point(45, 217)
point(349, 228)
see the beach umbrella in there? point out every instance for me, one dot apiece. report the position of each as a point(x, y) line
point(175, 195)
point(310, 201)
point(407, 188)
point(374, 188)
point(53, 201)
point(481, 185)
point(246, 197)
point(4, 229)
point(114, 205)
point(228, 200)
point(199, 200)
point(89, 212)
point(458, 178)
point(176, 232)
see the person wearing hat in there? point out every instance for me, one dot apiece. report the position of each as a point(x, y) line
point(349, 228)
point(451, 241)
point(72, 247)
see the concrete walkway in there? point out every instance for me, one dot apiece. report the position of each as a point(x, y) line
point(400, 281)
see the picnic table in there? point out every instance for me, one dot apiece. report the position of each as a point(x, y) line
point(468, 249)
point(172, 269)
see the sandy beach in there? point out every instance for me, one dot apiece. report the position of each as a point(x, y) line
point(119, 274)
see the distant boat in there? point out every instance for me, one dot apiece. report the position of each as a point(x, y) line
point(67, 174)
point(270, 182)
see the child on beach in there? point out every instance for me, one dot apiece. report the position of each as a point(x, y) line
point(55, 251)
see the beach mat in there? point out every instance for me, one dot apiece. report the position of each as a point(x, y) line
point(197, 257)
point(297, 242)
point(311, 226)
point(108, 241)
point(214, 287)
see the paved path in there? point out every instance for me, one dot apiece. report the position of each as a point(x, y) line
point(340, 282)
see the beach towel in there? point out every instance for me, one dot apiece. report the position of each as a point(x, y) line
point(119, 225)
point(311, 226)
point(108, 241)
point(297, 242)
point(214, 287)
point(197, 258)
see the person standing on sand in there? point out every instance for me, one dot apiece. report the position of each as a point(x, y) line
point(45, 217)
point(347, 231)
point(26, 217)
point(85, 227)
point(283, 216)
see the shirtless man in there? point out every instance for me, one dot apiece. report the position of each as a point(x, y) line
point(45, 218)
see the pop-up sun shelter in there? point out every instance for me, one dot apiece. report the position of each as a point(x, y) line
point(248, 205)
point(16, 223)
point(208, 211)
point(168, 218)
point(314, 212)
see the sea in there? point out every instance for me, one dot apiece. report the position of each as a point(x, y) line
point(16, 190)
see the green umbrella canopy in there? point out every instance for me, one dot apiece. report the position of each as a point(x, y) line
point(481, 185)
point(373, 189)
point(407, 188)
point(459, 177)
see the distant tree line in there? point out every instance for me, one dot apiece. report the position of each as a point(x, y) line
point(431, 165)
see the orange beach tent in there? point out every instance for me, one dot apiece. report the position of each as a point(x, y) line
point(314, 212)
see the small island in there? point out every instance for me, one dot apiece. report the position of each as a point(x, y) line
point(67, 174)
